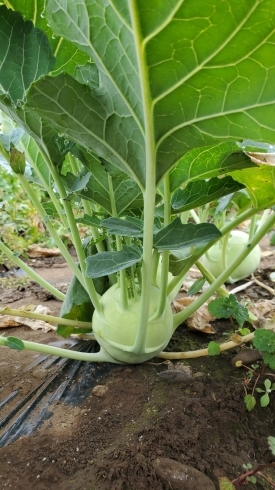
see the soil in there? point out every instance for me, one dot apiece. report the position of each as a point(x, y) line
point(118, 437)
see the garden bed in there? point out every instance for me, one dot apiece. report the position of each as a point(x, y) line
point(112, 439)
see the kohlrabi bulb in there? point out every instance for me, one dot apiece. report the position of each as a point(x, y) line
point(235, 244)
point(115, 329)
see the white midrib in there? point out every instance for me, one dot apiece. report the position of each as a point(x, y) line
point(150, 183)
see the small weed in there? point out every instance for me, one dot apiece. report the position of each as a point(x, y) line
point(251, 474)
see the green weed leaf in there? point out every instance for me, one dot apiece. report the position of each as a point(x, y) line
point(271, 444)
point(250, 402)
point(214, 349)
point(264, 400)
point(269, 359)
point(225, 484)
point(264, 340)
point(227, 307)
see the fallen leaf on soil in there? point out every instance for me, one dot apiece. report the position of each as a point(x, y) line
point(36, 251)
point(199, 321)
point(262, 308)
point(267, 253)
point(100, 390)
point(8, 321)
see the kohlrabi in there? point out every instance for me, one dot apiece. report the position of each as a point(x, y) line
point(133, 112)
point(218, 257)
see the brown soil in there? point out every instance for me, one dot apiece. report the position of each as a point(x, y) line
point(111, 442)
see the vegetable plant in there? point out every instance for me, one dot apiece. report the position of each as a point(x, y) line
point(137, 112)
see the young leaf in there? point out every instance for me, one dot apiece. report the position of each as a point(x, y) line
point(202, 192)
point(271, 444)
point(264, 340)
point(89, 220)
point(104, 263)
point(269, 359)
point(196, 286)
point(227, 307)
point(178, 236)
point(15, 343)
point(17, 161)
point(267, 384)
point(214, 349)
point(250, 402)
point(225, 484)
point(264, 400)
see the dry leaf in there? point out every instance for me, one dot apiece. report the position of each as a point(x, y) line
point(262, 158)
point(199, 321)
point(36, 251)
point(8, 321)
point(262, 308)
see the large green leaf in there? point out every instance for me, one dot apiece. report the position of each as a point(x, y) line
point(197, 72)
point(202, 192)
point(259, 183)
point(124, 227)
point(105, 263)
point(176, 235)
point(208, 162)
point(67, 56)
point(127, 194)
point(25, 54)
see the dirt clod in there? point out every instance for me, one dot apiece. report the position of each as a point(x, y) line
point(181, 476)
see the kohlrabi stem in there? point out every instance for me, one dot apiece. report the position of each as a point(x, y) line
point(220, 291)
point(195, 216)
point(30, 272)
point(224, 242)
point(149, 192)
point(123, 299)
point(101, 356)
point(210, 279)
point(189, 310)
point(44, 318)
point(184, 216)
point(38, 206)
point(87, 207)
point(204, 352)
point(226, 229)
point(252, 226)
point(179, 278)
point(165, 253)
point(88, 282)
point(155, 265)
point(238, 220)
point(263, 218)
point(47, 186)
